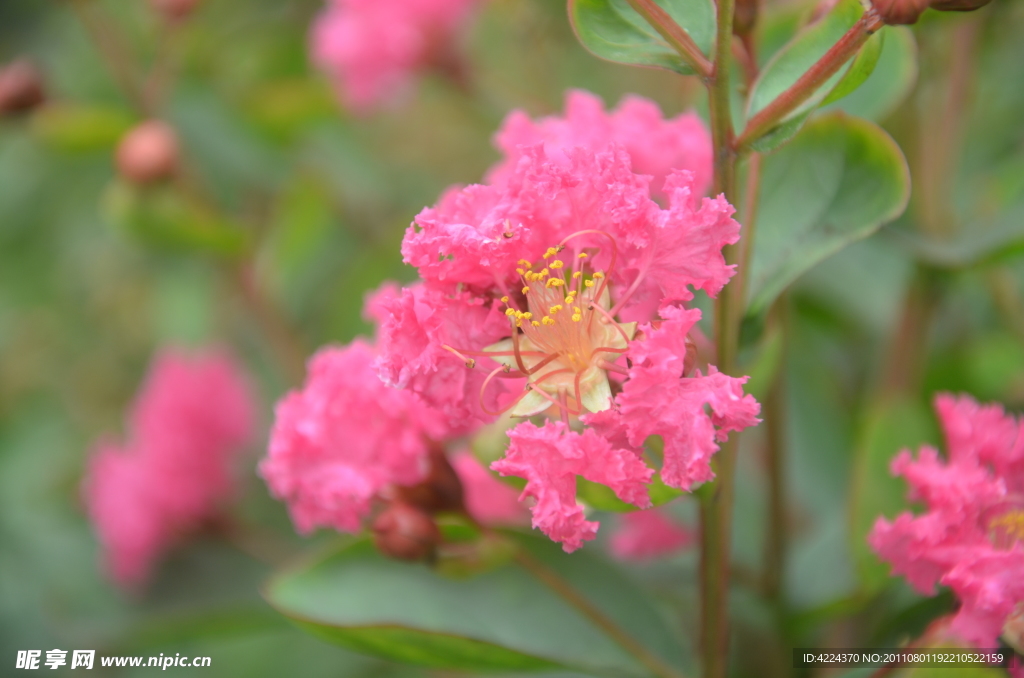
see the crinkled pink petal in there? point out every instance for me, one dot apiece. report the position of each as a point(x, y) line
point(958, 541)
point(656, 146)
point(372, 49)
point(345, 436)
point(475, 238)
point(658, 400)
point(643, 535)
point(686, 246)
point(989, 585)
point(176, 399)
point(191, 417)
point(550, 457)
point(487, 499)
point(983, 434)
point(419, 324)
point(118, 494)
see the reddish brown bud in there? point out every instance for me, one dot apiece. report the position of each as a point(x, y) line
point(958, 5)
point(21, 87)
point(908, 11)
point(405, 532)
point(441, 490)
point(174, 10)
point(898, 12)
point(148, 153)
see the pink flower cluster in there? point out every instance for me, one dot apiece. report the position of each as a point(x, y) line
point(347, 439)
point(971, 536)
point(191, 417)
point(656, 146)
point(372, 49)
point(559, 290)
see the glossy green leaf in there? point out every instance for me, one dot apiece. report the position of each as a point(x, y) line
point(613, 30)
point(890, 426)
point(891, 80)
point(860, 70)
point(503, 618)
point(800, 53)
point(837, 182)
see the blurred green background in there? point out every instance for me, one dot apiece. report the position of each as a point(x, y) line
point(324, 198)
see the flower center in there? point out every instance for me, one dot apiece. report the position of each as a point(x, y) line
point(1005, 524)
point(564, 339)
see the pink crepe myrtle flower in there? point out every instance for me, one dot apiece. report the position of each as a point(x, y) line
point(644, 535)
point(656, 146)
point(372, 49)
point(346, 438)
point(551, 280)
point(189, 420)
point(971, 535)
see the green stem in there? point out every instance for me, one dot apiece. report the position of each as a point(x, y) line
point(675, 35)
point(717, 499)
point(563, 588)
point(808, 83)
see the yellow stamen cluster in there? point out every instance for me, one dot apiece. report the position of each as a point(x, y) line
point(1011, 524)
point(575, 284)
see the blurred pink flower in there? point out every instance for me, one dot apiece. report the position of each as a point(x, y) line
point(643, 535)
point(535, 291)
point(656, 146)
point(372, 49)
point(191, 417)
point(345, 438)
point(971, 536)
point(488, 500)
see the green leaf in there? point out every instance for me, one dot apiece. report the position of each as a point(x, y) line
point(613, 30)
point(837, 182)
point(161, 218)
point(891, 81)
point(987, 241)
point(503, 618)
point(603, 498)
point(780, 134)
point(79, 128)
point(891, 425)
point(860, 70)
point(800, 53)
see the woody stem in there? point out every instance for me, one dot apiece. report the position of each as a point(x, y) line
point(717, 497)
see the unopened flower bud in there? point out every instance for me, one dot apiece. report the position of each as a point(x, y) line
point(21, 87)
point(405, 532)
point(958, 5)
point(148, 153)
point(907, 11)
point(174, 10)
point(899, 12)
point(441, 490)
